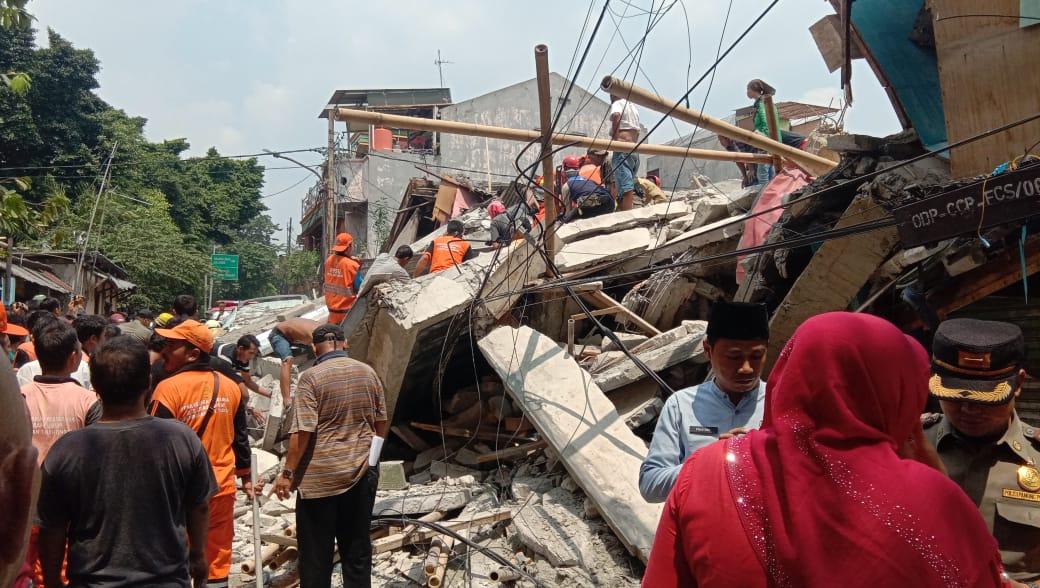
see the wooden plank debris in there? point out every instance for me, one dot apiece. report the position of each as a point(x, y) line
point(580, 424)
point(509, 453)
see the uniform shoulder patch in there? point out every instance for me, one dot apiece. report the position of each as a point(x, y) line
point(930, 419)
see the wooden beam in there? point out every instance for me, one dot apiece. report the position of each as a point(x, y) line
point(512, 452)
point(482, 433)
point(600, 299)
point(401, 539)
point(991, 278)
point(476, 130)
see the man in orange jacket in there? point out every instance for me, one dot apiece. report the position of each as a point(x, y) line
point(342, 279)
point(212, 406)
point(446, 251)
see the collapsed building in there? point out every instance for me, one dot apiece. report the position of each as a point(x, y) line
point(523, 385)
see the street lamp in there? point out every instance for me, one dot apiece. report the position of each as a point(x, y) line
point(328, 238)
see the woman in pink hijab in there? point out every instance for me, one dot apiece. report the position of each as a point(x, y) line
point(820, 495)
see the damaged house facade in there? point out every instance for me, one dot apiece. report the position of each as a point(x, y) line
point(374, 164)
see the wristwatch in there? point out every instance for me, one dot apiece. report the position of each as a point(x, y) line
point(287, 474)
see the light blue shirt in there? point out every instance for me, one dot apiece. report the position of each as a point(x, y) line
point(693, 418)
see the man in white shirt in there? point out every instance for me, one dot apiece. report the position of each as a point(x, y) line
point(90, 330)
point(624, 126)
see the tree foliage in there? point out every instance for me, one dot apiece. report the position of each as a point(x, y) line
point(161, 214)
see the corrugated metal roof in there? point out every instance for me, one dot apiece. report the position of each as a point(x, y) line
point(791, 110)
point(118, 283)
point(41, 278)
point(389, 97)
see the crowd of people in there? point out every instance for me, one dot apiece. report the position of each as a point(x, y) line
point(834, 473)
point(136, 432)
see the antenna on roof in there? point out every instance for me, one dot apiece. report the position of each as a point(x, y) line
point(440, 70)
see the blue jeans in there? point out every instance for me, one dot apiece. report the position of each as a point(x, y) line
point(625, 167)
point(764, 172)
point(282, 347)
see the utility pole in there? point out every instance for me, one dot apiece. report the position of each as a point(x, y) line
point(288, 238)
point(90, 225)
point(330, 188)
point(440, 70)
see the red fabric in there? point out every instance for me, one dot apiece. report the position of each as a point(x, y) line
point(757, 228)
point(699, 541)
point(819, 491)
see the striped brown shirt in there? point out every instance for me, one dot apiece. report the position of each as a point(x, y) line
point(339, 400)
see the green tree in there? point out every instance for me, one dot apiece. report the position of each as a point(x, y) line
point(298, 271)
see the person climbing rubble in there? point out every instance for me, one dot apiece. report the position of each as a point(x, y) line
point(506, 223)
point(386, 269)
point(446, 251)
point(342, 278)
point(295, 331)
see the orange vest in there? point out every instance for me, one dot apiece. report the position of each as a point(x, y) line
point(448, 250)
point(591, 172)
point(187, 395)
point(340, 272)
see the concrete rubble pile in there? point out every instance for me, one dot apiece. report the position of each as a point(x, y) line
point(520, 421)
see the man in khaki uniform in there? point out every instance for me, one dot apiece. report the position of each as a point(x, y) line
point(991, 454)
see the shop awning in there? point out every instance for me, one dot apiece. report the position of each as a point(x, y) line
point(41, 278)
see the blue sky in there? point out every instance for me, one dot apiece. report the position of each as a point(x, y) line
point(248, 75)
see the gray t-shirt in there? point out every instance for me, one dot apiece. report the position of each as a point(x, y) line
point(124, 490)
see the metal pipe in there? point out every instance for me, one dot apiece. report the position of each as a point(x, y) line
point(503, 575)
point(258, 556)
point(475, 130)
point(541, 66)
point(814, 164)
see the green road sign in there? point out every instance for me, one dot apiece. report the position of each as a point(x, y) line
point(226, 266)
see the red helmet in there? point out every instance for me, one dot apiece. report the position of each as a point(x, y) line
point(571, 162)
point(655, 180)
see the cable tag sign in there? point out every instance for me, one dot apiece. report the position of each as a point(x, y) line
point(1000, 199)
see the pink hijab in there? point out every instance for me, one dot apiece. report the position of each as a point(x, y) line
point(495, 208)
point(822, 495)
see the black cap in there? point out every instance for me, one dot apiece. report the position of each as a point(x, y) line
point(976, 361)
point(743, 321)
point(328, 332)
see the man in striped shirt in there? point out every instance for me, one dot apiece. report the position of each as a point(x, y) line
point(337, 432)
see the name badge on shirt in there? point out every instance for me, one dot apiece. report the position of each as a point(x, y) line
point(695, 430)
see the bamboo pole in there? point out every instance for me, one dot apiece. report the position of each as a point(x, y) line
point(283, 557)
point(502, 575)
point(267, 553)
point(437, 560)
point(541, 67)
point(814, 164)
point(475, 130)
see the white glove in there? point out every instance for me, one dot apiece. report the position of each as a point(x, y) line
point(374, 450)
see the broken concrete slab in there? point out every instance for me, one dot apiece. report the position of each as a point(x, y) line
point(837, 272)
point(620, 221)
point(637, 403)
point(581, 425)
point(555, 533)
point(727, 228)
point(602, 248)
point(404, 313)
point(421, 500)
point(629, 340)
point(680, 344)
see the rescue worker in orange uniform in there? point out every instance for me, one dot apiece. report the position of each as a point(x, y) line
point(342, 278)
point(446, 251)
point(211, 404)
